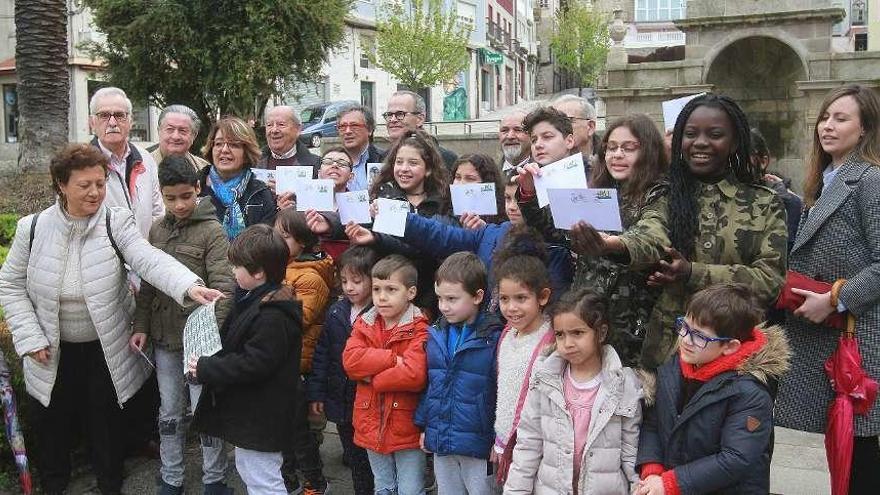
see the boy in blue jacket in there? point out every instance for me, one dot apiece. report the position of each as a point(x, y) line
point(457, 411)
point(328, 388)
point(709, 430)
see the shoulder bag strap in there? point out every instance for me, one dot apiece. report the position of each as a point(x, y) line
point(110, 235)
point(524, 389)
point(33, 229)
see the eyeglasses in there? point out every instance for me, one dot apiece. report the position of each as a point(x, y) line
point(398, 115)
point(119, 116)
point(337, 164)
point(698, 338)
point(580, 118)
point(232, 145)
point(354, 126)
point(627, 148)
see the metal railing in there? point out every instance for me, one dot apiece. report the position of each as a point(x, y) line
point(455, 127)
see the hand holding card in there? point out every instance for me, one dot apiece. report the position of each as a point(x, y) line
point(315, 194)
point(474, 198)
point(566, 173)
point(598, 207)
point(287, 179)
point(391, 218)
point(354, 207)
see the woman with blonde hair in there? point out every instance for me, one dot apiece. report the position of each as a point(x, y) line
point(241, 200)
point(838, 242)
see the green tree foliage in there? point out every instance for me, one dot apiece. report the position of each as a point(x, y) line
point(580, 41)
point(216, 56)
point(419, 44)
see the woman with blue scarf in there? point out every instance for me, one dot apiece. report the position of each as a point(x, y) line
point(241, 200)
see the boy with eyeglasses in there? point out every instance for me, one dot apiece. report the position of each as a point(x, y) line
point(709, 423)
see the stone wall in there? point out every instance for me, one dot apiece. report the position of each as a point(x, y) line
point(485, 143)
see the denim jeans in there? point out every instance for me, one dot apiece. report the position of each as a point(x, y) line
point(459, 475)
point(398, 473)
point(172, 430)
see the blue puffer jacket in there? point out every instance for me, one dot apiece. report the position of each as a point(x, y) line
point(720, 443)
point(457, 411)
point(441, 240)
point(328, 382)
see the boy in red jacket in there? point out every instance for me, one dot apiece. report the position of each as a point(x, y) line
point(386, 356)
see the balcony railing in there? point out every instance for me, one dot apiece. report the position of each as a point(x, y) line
point(654, 38)
point(498, 37)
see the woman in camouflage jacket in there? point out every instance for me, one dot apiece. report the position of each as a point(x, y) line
point(716, 224)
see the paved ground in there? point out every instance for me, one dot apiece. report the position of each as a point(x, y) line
point(798, 468)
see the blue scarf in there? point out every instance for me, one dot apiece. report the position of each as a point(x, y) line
point(229, 192)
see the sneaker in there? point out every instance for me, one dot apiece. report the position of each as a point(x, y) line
point(291, 483)
point(218, 488)
point(322, 488)
point(168, 489)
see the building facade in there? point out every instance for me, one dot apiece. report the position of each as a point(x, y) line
point(874, 27)
point(85, 78)
point(777, 59)
point(503, 56)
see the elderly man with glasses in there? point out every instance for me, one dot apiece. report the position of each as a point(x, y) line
point(406, 112)
point(133, 180)
point(178, 128)
point(583, 123)
point(356, 125)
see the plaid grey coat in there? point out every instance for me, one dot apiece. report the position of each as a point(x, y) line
point(839, 237)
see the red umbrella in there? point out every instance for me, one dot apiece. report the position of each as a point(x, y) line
point(855, 394)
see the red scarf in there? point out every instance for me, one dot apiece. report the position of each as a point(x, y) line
point(724, 363)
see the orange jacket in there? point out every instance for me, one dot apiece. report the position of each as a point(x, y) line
point(384, 406)
point(310, 276)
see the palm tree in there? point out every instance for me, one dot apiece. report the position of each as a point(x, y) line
point(41, 64)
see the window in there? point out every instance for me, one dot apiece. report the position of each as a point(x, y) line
point(858, 13)
point(368, 47)
point(544, 4)
point(861, 42)
point(659, 10)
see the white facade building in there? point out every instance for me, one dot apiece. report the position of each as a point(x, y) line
point(501, 71)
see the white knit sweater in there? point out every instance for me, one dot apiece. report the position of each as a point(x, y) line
point(75, 322)
point(514, 353)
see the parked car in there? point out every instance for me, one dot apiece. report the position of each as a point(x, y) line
point(319, 121)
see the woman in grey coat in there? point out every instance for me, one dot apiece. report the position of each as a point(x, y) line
point(838, 239)
point(65, 291)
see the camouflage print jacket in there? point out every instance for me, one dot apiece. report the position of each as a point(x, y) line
point(629, 298)
point(742, 238)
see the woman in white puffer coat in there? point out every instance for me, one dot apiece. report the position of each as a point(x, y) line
point(65, 292)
